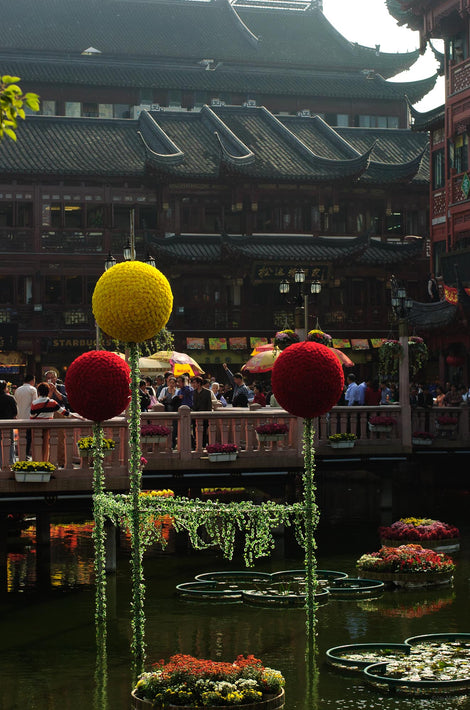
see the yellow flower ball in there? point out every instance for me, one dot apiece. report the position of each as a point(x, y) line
point(132, 301)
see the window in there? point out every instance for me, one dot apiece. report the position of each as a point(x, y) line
point(105, 110)
point(48, 108)
point(147, 218)
point(73, 108)
point(394, 224)
point(342, 119)
point(24, 214)
point(121, 217)
point(95, 217)
point(6, 214)
point(53, 289)
point(73, 216)
point(438, 169)
point(377, 121)
point(90, 110)
point(6, 289)
point(25, 289)
point(122, 110)
point(174, 98)
point(73, 289)
point(460, 162)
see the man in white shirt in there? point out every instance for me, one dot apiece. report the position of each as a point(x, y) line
point(352, 391)
point(24, 396)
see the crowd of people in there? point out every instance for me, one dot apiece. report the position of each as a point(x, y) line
point(373, 393)
point(167, 392)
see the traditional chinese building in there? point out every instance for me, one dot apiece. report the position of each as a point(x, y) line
point(448, 127)
point(229, 199)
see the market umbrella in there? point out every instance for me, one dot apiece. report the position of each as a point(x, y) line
point(262, 348)
point(262, 362)
point(178, 363)
point(147, 364)
point(343, 358)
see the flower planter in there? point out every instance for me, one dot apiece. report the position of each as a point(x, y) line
point(421, 442)
point(271, 437)
point(342, 444)
point(153, 439)
point(409, 579)
point(33, 476)
point(223, 457)
point(380, 427)
point(269, 702)
point(88, 453)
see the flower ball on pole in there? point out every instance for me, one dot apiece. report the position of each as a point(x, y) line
point(98, 388)
point(132, 302)
point(307, 381)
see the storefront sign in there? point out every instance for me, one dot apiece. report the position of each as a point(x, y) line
point(217, 343)
point(195, 343)
point(68, 344)
point(237, 343)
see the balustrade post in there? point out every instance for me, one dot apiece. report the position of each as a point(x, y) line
point(404, 386)
point(184, 433)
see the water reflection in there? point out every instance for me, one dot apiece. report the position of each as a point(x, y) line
point(48, 656)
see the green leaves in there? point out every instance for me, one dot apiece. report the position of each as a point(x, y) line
point(12, 101)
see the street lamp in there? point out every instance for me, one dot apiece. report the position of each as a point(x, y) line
point(300, 300)
point(401, 307)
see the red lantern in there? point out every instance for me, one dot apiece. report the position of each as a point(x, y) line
point(455, 360)
point(307, 379)
point(98, 385)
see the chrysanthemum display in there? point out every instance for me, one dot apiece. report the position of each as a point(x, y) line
point(132, 301)
point(307, 379)
point(186, 680)
point(97, 385)
point(406, 558)
point(419, 530)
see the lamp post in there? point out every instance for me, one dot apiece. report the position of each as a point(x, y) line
point(129, 254)
point(300, 300)
point(401, 307)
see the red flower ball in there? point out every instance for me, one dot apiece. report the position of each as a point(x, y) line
point(307, 379)
point(98, 385)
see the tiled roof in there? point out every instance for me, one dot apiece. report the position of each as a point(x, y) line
point(97, 71)
point(74, 146)
point(248, 142)
point(428, 316)
point(403, 15)
point(424, 121)
point(279, 247)
point(183, 29)
point(288, 35)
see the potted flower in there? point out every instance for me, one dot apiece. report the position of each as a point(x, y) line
point(422, 438)
point(154, 433)
point(342, 441)
point(86, 446)
point(407, 566)
point(446, 423)
point(381, 423)
point(318, 336)
point(188, 682)
point(418, 353)
point(222, 452)
point(284, 338)
point(390, 353)
point(271, 431)
point(33, 471)
point(432, 534)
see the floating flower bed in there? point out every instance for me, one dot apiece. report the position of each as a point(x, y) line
point(33, 471)
point(432, 534)
point(407, 566)
point(190, 682)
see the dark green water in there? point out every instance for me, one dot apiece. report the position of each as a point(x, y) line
point(47, 659)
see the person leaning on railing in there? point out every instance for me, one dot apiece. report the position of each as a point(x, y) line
point(44, 407)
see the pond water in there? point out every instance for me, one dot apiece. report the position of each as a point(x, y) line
point(47, 659)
